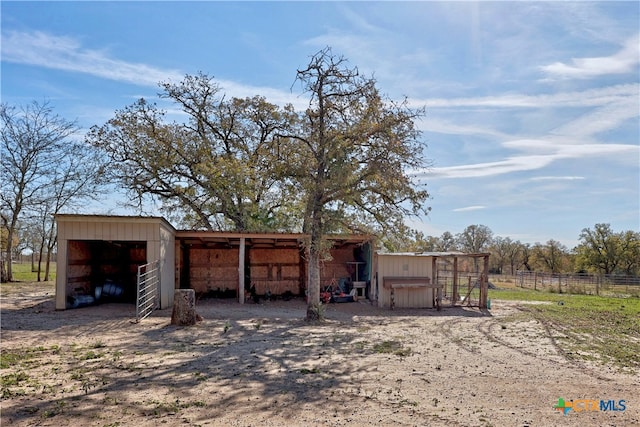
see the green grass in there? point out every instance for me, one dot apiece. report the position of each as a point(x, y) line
point(592, 328)
point(392, 347)
point(22, 272)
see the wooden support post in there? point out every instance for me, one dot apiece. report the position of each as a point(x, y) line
point(434, 280)
point(241, 271)
point(455, 294)
point(484, 283)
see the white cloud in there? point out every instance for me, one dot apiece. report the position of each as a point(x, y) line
point(602, 119)
point(552, 152)
point(587, 98)
point(557, 178)
point(470, 208)
point(512, 164)
point(622, 62)
point(65, 53)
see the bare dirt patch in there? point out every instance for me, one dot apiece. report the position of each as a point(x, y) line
point(260, 364)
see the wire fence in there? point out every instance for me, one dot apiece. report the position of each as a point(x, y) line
point(589, 284)
point(465, 290)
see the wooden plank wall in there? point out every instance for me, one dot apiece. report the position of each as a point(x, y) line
point(78, 268)
point(92, 262)
point(213, 270)
point(337, 267)
point(275, 270)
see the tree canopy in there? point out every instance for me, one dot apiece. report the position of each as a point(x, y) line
point(220, 169)
point(341, 165)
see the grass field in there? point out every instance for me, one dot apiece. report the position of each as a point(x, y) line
point(22, 272)
point(588, 327)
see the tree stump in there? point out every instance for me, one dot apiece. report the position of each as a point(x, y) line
point(184, 308)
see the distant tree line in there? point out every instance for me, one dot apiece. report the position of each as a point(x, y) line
point(601, 250)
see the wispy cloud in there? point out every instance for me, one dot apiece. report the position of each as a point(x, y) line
point(41, 49)
point(601, 119)
point(622, 62)
point(470, 208)
point(557, 178)
point(65, 53)
point(552, 152)
point(587, 98)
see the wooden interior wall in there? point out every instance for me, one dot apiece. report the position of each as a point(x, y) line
point(337, 267)
point(214, 271)
point(275, 270)
point(92, 263)
point(78, 268)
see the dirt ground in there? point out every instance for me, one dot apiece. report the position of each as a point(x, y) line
point(261, 365)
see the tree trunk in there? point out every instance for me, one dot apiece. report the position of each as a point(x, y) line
point(8, 266)
point(314, 311)
point(47, 266)
point(3, 271)
point(184, 308)
point(40, 253)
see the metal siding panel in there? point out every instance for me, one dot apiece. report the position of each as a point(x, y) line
point(92, 233)
point(119, 231)
point(61, 273)
point(130, 231)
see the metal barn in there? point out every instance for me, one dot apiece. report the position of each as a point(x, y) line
point(101, 251)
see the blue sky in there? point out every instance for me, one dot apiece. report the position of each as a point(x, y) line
point(533, 116)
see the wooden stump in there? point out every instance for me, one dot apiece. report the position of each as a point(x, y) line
point(184, 308)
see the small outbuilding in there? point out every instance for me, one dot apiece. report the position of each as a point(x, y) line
point(424, 280)
point(104, 252)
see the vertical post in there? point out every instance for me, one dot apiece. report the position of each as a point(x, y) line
point(434, 280)
point(455, 295)
point(158, 299)
point(62, 263)
point(241, 271)
point(484, 283)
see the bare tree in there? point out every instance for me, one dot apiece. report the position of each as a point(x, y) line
point(43, 168)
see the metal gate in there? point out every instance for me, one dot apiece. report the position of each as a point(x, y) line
point(147, 292)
